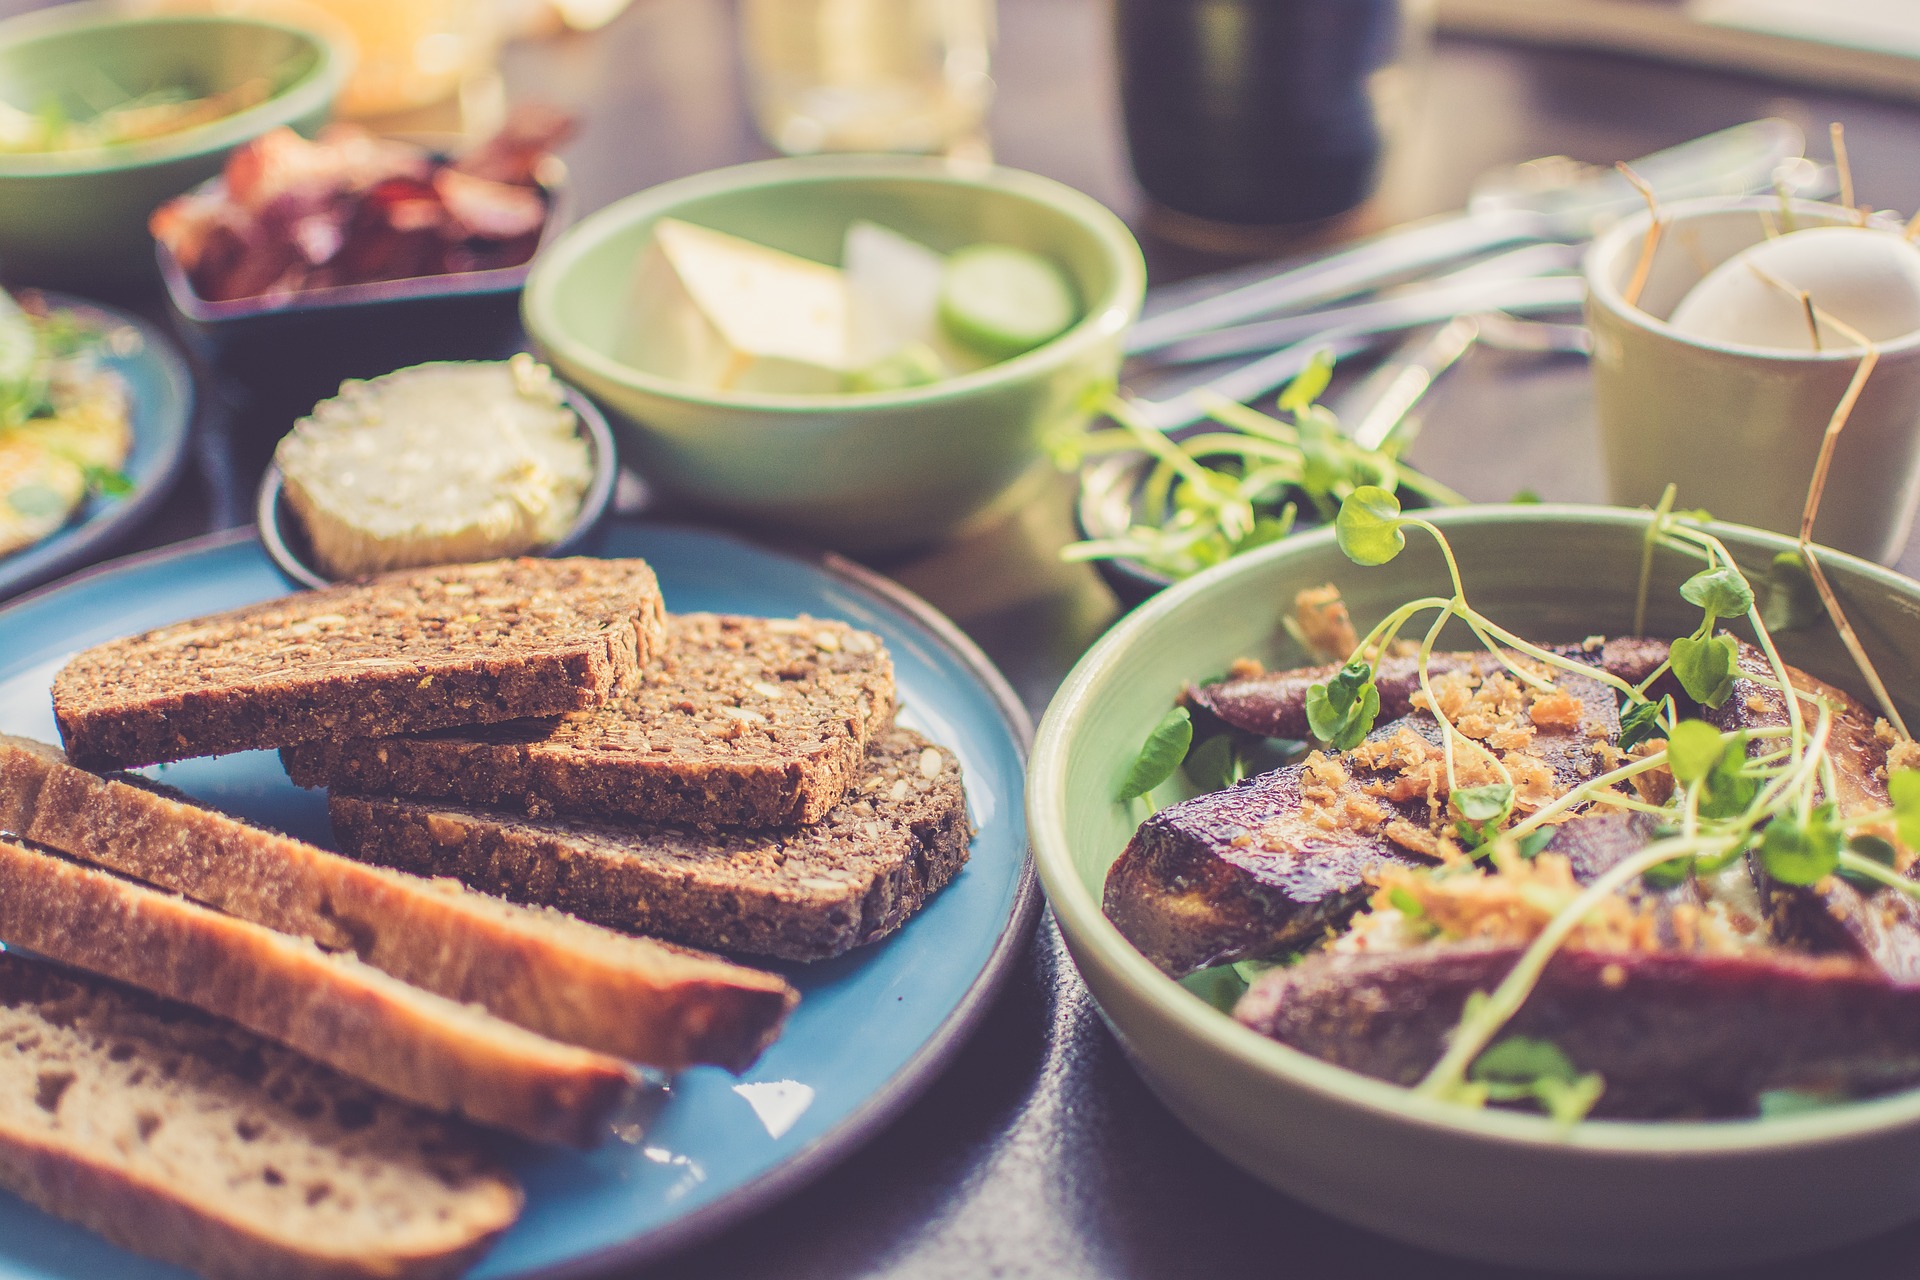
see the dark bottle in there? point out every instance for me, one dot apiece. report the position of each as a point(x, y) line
point(1256, 112)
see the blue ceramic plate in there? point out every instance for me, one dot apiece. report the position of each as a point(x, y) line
point(872, 1027)
point(160, 395)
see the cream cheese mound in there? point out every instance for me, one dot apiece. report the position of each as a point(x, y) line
point(436, 464)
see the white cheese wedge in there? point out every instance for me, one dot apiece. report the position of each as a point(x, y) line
point(725, 314)
point(436, 464)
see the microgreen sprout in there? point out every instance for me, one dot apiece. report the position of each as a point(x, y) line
point(1162, 753)
point(1218, 493)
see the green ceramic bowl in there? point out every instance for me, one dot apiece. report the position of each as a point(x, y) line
point(856, 472)
point(79, 218)
point(1498, 1186)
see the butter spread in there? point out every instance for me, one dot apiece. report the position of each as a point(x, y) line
point(436, 464)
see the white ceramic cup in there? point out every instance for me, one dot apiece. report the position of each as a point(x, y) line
point(1738, 428)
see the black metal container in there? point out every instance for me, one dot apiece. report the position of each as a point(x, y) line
point(1255, 112)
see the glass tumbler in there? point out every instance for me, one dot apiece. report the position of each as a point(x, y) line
point(867, 75)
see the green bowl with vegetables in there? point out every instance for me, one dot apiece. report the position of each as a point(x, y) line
point(103, 117)
point(856, 470)
point(1503, 1186)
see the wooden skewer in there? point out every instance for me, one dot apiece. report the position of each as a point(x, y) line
point(1838, 133)
point(1644, 267)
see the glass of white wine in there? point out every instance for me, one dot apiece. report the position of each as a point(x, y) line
point(868, 75)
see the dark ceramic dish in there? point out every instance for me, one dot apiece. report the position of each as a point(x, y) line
point(292, 350)
point(286, 541)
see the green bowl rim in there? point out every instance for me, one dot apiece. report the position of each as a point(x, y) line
point(1087, 926)
point(1105, 319)
point(319, 86)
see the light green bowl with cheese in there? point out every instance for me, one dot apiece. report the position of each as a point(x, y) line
point(856, 472)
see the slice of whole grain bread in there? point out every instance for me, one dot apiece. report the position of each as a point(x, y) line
point(800, 893)
point(743, 722)
point(415, 1045)
point(544, 970)
point(189, 1140)
point(421, 649)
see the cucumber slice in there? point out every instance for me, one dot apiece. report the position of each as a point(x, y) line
point(1002, 301)
point(914, 365)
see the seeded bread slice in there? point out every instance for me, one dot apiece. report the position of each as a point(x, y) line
point(544, 970)
point(800, 893)
point(743, 722)
point(189, 1140)
point(422, 649)
point(417, 1046)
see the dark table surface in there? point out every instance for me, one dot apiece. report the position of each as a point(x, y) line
point(1038, 1151)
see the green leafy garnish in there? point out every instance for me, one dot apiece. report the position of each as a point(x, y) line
point(1532, 844)
point(1368, 526)
point(1639, 722)
point(1693, 749)
point(1801, 853)
point(1903, 788)
point(1405, 903)
point(1214, 764)
point(1308, 385)
point(1523, 1068)
point(1722, 592)
point(1481, 810)
point(1165, 747)
point(1873, 849)
point(108, 481)
point(1341, 713)
point(1705, 667)
point(1667, 875)
point(1792, 601)
point(1490, 803)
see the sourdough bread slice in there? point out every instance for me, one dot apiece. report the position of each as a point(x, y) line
point(547, 971)
point(800, 893)
point(422, 649)
point(189, 1140)
point(415, 1045)
point(743, 722)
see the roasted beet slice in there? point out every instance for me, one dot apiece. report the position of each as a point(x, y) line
point(1880, 926)
point(1198, 884)
point(1246, 872)
point(1274, 704)
point(1594, 844)
point(1674, 1034)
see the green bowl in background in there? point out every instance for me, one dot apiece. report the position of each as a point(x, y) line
point(79, 218)
point(856, 472)
point(1493, 1185)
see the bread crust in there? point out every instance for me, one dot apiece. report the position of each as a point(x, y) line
point(414, 1045)
point(753, 722)
point(420, 649)
point(797, 893)
point(630, 997)
point(105, 1185)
